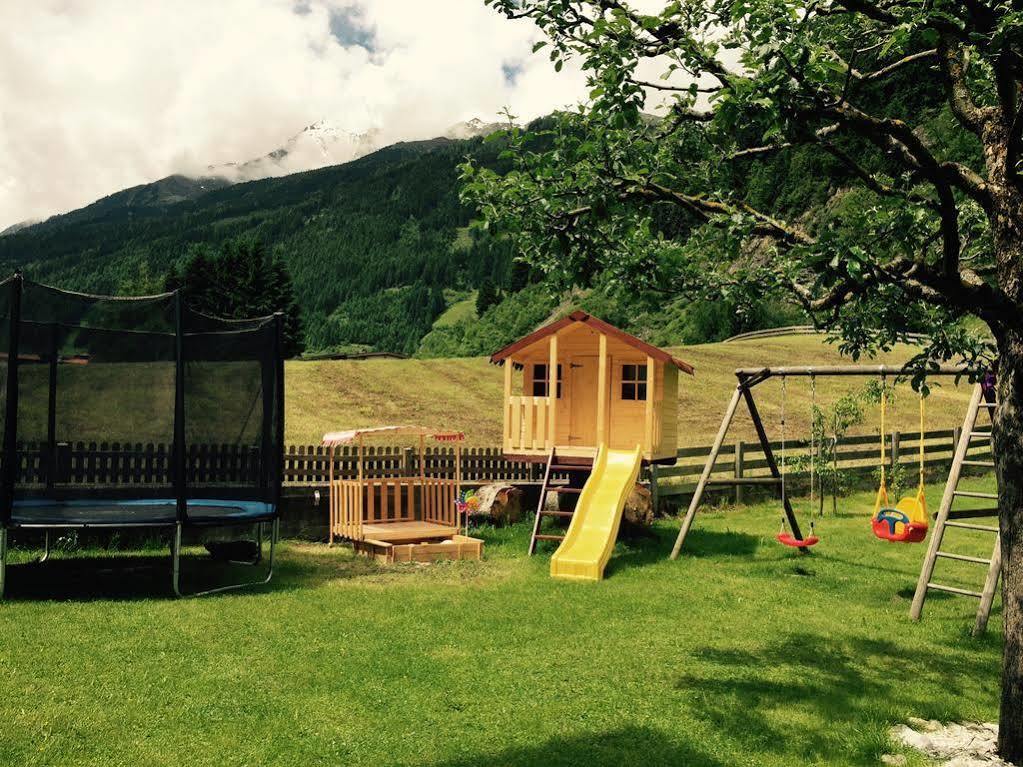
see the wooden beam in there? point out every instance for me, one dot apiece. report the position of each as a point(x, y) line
point(330, 495)
point(552, 391)
point(762, 374)
point(648, 421)
point(360, 497)
point(602, 393)
point(708, 467)
point(508, 365)
point(458, 484)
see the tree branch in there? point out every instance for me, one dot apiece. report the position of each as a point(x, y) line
point(972, 117)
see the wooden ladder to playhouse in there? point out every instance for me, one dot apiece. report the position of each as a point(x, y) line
point(577, 466)
point(947, 517)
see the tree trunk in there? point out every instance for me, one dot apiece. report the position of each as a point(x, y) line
point(1008, 444)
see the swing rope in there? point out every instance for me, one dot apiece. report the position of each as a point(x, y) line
point(884, 402)
point(921, 438)
point(813, 431)
point(907, 521)
point(784, 396)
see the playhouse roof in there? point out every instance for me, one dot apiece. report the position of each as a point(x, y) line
point(598, 325)
point(338, 438)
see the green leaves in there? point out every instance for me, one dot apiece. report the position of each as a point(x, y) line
point(799, 96)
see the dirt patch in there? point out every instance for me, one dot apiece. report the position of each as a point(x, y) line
point(972, 744)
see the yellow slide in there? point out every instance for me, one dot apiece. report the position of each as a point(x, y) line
point(591, 537)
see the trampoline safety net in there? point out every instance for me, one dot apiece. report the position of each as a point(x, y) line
point(136, 400)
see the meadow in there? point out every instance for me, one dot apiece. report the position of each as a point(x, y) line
point(742, 652)
point(466, 393)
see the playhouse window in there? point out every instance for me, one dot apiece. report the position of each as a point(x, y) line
point(541, 381)
point(634, 382)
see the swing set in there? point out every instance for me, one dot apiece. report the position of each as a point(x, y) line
point(905, 522)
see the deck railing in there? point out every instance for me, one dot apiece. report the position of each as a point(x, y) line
point(355, 503)
point(527, 424)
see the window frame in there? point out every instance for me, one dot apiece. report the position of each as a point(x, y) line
point(633, 384)
point(543, 382)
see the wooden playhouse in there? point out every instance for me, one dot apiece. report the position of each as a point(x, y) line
point(609, 388)
point(400, 512)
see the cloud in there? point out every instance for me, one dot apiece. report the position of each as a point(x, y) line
point(100, 95)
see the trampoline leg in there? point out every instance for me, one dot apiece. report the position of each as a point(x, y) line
point(274, 534)
point(46, 548)
point(3, 560)
point(176, 560)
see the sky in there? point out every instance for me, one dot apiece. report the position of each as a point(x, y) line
point(100, 95)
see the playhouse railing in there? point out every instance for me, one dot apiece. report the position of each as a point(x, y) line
point(527, 424)
point(380, 500)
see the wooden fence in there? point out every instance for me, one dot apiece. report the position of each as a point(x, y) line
point(746, 460)
point(120, 464)
point(124, 463)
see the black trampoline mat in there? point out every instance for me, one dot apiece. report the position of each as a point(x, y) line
point(157, 511)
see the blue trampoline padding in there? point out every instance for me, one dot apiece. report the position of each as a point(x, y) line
point(146, 511)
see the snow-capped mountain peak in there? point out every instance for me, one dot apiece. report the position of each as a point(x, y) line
point(317, 145)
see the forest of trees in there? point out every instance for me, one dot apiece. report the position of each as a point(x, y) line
point(370, 245)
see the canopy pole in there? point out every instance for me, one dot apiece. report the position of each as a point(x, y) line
point(10, 468)
point(51, 411)
point(331, 511)
point(179, 412)
point(279, 426)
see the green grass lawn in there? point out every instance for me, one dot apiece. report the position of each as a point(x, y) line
point(742, 652)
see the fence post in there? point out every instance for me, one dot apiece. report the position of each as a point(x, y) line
point(895, 449)
point(740, 450)
point(408, 460)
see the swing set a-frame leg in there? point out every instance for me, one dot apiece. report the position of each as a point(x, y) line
point(742, 392)
point(707, 469)
point(758, 424)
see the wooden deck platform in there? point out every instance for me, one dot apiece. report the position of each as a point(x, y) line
point(456, 547)
point(406, 532)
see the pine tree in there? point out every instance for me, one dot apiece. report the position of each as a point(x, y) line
point(486, 297)
point(238, 282)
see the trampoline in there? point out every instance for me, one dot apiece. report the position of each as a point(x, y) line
point(137, 413)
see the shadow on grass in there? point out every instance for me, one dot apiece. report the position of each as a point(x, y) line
point(656, 547)
point(138, 575)
point(125, 577)
point(627, 746)
point(763, 698)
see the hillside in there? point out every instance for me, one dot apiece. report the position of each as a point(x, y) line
point(371, 244)
point(466, 393)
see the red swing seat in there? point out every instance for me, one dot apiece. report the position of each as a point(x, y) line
point(787, 539)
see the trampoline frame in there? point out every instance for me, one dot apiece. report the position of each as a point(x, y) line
point(271, 479)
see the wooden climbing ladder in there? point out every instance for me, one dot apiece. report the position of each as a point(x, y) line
point(580, 467)
point(959, 519)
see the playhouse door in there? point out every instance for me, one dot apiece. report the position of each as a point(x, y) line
point(583, 419)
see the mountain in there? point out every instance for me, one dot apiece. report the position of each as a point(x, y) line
point(473, 128)
point(144, 200)
point(371, 244)
point(325, 143)
point(19, 226)
point(316, 146)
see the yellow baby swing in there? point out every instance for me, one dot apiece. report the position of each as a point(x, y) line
point(906, 522)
